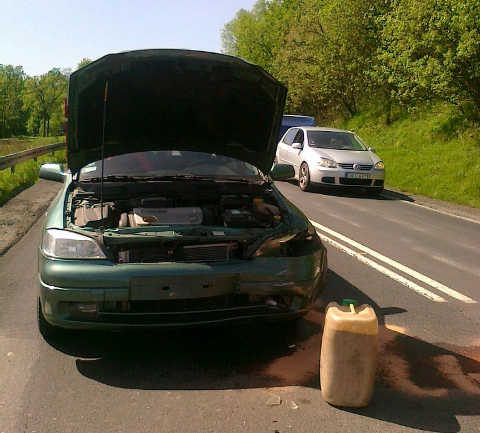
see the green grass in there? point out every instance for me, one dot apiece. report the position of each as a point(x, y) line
point(426, 153)
point(25, 175)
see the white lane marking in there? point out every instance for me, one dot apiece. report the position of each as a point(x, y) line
point(435, 284)
point(394, 276)
point(456, 265)
point(424, 206)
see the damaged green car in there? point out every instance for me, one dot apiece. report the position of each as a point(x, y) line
point(169, 215)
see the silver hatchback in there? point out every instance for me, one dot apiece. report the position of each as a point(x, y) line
point(331, 157)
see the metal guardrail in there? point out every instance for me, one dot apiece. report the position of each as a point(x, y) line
point(10, 161)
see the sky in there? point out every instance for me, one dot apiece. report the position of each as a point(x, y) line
point(44, 34)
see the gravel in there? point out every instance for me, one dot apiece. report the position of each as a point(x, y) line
point(20, 213)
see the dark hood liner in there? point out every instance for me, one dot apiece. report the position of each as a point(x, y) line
point(174, 99)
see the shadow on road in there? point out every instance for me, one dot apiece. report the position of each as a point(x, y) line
point(352, 192)
point(418, 385)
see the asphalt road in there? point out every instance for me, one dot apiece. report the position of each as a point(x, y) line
point(417, 265)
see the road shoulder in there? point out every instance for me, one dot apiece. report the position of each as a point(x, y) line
point(21, 212)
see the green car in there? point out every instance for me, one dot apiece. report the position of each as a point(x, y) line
point(169, 215)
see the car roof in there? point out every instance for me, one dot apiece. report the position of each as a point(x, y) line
point(323, 128)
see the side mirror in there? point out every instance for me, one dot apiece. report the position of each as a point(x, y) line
point(297, 146)
point(371, 149)
point(50, 171)
point(282, 172)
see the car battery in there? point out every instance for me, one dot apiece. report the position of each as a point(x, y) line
point(241, 218)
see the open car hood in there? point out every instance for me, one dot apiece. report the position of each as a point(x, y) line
point(173, 100)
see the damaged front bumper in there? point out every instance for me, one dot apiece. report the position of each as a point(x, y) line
point(104, 295)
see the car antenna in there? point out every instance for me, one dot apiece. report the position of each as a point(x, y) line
point(103, 147)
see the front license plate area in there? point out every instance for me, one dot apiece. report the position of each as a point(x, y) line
point(357, 175)
point(184, 287)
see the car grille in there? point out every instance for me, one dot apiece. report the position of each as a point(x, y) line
point(200, 253)
point(206, 253)
point(360, 166)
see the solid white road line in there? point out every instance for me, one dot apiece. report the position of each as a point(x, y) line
point(435, 284)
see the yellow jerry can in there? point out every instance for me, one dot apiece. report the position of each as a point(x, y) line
point(348, 354)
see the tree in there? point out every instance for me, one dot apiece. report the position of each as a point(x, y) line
point(432, 50)
point(12, 88)
point(322, 50)
point(45, 95)
point(329, 52)
point(83, 62)
point(247, 36)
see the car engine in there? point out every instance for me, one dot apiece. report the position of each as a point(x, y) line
point(208, 214)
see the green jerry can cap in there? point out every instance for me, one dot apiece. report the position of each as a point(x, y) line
point(347, 302)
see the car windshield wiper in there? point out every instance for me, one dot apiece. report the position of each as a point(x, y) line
point(112, 178)
point(234, 179)
point(130, 178)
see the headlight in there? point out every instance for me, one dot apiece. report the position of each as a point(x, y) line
point(329, 163)
point(380, 165)
point(63, 244)
point(295, 245)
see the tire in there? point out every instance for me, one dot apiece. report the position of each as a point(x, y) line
point(375, 191)
point(304, 178)
point(47, 330)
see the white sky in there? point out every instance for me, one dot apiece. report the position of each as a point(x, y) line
point(44, 34)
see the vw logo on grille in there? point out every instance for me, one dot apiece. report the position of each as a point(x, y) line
point(356, 166)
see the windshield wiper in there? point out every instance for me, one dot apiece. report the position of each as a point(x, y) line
point(165, 177)
point(234, 179)
point(111, 178)
point(130, 178)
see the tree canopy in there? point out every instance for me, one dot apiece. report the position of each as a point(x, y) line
point(12, 88)
point(338, 55)
point(33, 105)
point(44, 96)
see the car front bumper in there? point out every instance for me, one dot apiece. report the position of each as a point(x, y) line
point(103, 295)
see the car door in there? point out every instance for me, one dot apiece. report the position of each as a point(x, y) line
point(285, 145)
point(294, 155)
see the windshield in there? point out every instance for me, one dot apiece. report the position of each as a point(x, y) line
point(335, 140)
point(172, 163)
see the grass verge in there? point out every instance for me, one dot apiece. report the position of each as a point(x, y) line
point(25, 175)
point(427, 153)
point(14, 145)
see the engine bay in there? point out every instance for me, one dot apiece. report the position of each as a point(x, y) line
point(208, 213)
point(232, 210)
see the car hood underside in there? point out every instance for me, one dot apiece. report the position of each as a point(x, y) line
point(173, 99)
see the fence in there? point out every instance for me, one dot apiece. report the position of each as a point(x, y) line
point(10, 161)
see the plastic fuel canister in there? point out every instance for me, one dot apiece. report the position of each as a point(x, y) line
point(348, 354)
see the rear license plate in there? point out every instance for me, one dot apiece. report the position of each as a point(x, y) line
point(357, 175)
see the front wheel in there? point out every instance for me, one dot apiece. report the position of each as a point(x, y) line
point(304, 178)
